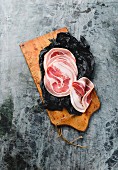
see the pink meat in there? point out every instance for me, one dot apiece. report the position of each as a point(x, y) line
point(58, 52)
point(60, 78)
point(80, 94)
point(60, 71)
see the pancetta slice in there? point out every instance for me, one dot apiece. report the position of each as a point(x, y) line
point(80, 94)
point(60, 71)
point(56, 52)
point(58, 79)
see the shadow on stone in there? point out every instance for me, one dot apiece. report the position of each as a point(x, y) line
point(6, 114)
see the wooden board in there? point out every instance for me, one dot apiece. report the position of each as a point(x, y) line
point(31, 51)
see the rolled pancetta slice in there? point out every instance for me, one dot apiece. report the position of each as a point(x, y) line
point(80, 94)
point(60, 71)
point(57, 52)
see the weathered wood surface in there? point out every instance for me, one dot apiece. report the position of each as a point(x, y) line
point(27, 138)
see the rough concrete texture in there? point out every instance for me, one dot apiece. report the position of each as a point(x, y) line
point(27, 138)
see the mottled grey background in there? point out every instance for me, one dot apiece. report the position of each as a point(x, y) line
point(28, 141)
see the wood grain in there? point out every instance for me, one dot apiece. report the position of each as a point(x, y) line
point(31, 51)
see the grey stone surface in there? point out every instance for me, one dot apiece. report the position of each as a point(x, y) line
point(27, 138)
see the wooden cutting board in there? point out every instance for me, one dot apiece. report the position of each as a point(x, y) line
point(31, 50)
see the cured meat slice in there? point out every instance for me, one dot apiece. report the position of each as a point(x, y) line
point(80, 94)
point(57, 52)
point(60, 71)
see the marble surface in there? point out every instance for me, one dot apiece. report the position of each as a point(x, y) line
point(28, 141)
